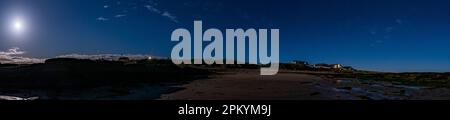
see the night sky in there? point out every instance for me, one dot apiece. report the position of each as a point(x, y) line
point(383, 35)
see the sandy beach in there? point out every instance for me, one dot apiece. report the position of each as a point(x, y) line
point(249, 85)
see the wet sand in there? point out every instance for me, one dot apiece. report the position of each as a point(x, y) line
point(249, 85)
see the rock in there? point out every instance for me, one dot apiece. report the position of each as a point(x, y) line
point(314, 94)
point(364, 97)
point(345, 88)
point(305, 82)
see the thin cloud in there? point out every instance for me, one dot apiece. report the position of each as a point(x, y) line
point(389, 29)
point(152, 9)
point(170, 16)
point(125, 6)
point(12, 51)
point(11, 56)
point(399, 21)
point(102, 19)
point(164, 14)
point(120, 15)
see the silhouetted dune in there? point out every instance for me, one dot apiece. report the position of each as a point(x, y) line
point(76, 74)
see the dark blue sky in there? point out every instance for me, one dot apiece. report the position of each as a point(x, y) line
point(385, 35)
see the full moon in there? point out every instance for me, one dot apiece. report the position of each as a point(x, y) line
point(18, 26)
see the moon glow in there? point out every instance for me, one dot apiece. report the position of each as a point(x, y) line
point(18, 26)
